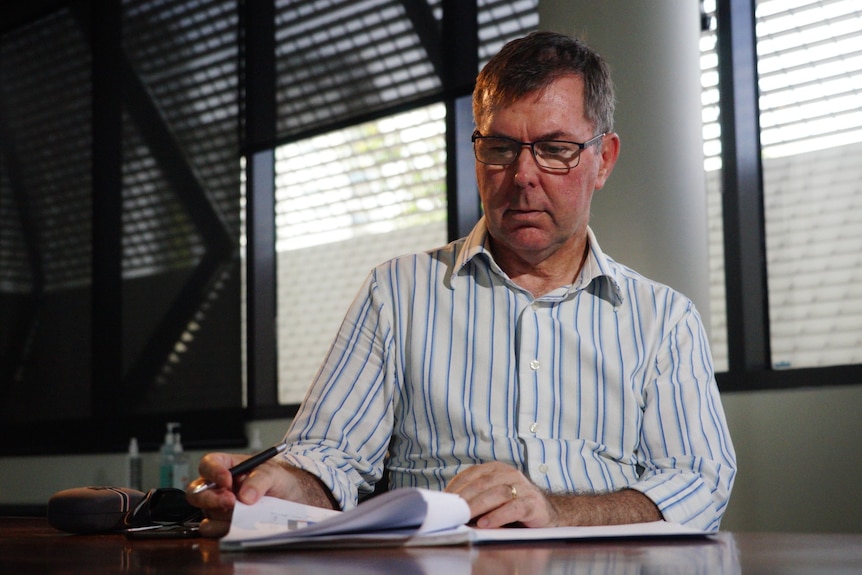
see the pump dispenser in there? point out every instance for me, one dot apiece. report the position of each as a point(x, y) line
point(166, 457)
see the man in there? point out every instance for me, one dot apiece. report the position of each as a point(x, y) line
point(519, 367)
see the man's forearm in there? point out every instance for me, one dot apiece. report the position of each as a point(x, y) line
point(618, 507)
point(309, 489)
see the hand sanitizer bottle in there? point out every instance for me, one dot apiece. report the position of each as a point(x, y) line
point(166, 457)
point(134, 466)
point(180, 475)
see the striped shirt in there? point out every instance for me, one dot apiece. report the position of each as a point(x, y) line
point(443, 362)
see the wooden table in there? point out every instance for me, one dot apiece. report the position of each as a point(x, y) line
point(29, 545)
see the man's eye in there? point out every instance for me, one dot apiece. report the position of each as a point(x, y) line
point(501, 149)
point(560, 149)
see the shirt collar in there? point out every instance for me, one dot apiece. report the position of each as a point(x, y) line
point(596, 267)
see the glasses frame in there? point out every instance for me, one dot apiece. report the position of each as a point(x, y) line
point(477, 135)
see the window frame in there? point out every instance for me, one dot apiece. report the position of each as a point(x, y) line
point(747, 299)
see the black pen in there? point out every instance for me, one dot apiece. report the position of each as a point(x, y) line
point(247, 465)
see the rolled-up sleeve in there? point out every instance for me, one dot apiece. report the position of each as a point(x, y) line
point(686, 451)
point(344, 425)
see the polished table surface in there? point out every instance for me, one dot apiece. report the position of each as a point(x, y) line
point(30, 545)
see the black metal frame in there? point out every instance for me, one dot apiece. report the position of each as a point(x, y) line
point(117, 87)
point(743, 213)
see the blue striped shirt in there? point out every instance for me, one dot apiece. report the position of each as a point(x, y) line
point(443, 362)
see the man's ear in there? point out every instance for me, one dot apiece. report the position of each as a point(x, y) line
point(608, 155)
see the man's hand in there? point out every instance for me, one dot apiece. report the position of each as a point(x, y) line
point(499, 495)
point(273, 478)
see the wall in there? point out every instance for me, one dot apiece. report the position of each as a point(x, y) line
point(797, 450)
point(31, 480)
point(799, 461)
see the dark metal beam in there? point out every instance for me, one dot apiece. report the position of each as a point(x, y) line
point(461, 64)
point(462, 196)
point(107, 253)
point(426, 28)
point(460, 30)
point(258, 24)
point(742, 186)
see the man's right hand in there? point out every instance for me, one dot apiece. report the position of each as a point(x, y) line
point(273, 478)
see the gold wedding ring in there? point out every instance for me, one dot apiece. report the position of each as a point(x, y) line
point(514, 492)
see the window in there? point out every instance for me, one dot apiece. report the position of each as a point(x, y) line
point(352, 192)
point(346, 201)
point(119, 199)
point(809, 64)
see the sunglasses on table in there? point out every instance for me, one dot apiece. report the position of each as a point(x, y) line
point(165, 509)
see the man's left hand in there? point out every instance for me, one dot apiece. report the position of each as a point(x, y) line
point(500, 495)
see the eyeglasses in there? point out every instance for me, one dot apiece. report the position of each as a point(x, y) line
point(160, 507)
point(557, 155)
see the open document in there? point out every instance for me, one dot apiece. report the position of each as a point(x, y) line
point(402, 517)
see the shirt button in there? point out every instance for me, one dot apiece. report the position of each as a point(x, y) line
point(535, 306)
point(534, 365)
point(534, 427)
point(543, 468)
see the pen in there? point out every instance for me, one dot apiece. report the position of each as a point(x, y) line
point(247, 465)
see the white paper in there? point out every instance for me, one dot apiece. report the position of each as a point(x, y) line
point(402, 517)
point(398, 514)
point(632, 530)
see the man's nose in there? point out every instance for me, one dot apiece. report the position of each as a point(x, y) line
point(526, 167)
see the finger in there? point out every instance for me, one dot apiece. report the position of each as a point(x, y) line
point(214, 528)
point(489, 482)
point(506, 508)
point(495, 506)
point(270, 478)
point(215, 468)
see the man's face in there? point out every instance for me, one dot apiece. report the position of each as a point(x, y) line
point(533, 212)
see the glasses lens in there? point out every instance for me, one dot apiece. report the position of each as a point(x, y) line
point(496, 151)
point(163, 506)
point(557, 155)
point(171, 506)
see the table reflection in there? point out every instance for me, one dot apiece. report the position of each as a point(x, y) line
point(715, 555)
point(31, 546)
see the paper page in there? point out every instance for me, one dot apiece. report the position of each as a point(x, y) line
point(651, 529)
point(398, 513)
point(271, 516)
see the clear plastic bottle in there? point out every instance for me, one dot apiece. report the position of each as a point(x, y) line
point(134, 466)
point(180, 475)
point(255, 444)
point(166, 457)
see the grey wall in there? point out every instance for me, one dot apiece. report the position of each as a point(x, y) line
point(651, 215)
